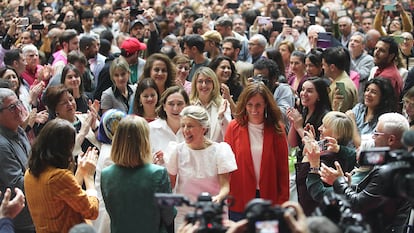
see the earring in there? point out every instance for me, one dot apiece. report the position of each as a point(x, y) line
point(265, 113)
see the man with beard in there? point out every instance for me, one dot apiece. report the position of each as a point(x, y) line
point(69, 41)
point(298, 23)
point(14, 151)
point(385, 53)
point(361, 62)
point(231, 48)
point(89, 46)
point(48, 15)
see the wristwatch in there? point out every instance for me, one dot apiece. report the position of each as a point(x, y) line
point(314, 170)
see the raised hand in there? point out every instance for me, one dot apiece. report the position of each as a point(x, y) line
point(11, 208)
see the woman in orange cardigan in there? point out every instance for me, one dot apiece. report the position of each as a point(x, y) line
point(54, 194)
point(259, 143)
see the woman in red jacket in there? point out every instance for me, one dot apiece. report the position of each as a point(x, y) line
point(259, 143)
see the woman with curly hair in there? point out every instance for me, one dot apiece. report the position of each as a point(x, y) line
point(160, 68)
point(379, 98)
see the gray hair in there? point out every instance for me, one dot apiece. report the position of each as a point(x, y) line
point(394, 123)
point(29, 48)
point(197, 113)
point(4, 93)
point(260, 39)
point(362, 35)
point(316, 27)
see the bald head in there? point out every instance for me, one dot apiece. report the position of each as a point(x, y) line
point(372, 37)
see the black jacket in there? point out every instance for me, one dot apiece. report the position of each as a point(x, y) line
point(384, 214)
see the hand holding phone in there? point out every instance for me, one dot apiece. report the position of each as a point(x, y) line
point(261, 20)
point(341, 87)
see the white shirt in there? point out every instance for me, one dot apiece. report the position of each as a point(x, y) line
point(161, 134)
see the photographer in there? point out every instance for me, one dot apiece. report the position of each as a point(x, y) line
point(384, 214)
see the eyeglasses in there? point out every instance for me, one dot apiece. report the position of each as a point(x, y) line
point(183, 67)
point(12, 107)
point(375, 133)
point(407, 39)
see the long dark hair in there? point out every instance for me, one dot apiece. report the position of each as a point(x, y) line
point(52, 147)
point(143, 84)
point(388, 101)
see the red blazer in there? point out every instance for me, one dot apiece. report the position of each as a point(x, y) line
point(274, 171)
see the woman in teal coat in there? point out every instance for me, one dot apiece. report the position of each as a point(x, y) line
point(129, 185)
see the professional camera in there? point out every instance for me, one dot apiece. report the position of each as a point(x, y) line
point(207, 213)
point(396, 170)
point(338, 210)
point(263, 217)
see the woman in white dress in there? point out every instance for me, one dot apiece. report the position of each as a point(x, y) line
point(198, 164)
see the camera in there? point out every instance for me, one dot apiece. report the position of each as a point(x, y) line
point(338, 210)
point(263, 217)
point(396, 170)
point(260, 78)
point(209, 214)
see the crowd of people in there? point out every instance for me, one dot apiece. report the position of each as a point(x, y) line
point(105, 103)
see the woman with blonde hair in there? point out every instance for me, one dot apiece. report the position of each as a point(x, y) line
point(336, 132)
point(205, 92)
point(200, 164)
point(258, 140)
point(129, 185)
point(121, 94)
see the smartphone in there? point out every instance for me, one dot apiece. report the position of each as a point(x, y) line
point(262, 20)
point(324, 40)
point(323, 144)
point(233, 5)
point(390, 7)
point(398, 39)
point(277, 26)
point(276, 0)
point(21, 9)
point(341, 87)
point(312, 10)
point(341, 13)
point(312, 20)
point(23, 22)
point(289, 22)
point(38, 26)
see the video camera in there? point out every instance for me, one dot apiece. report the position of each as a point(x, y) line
point(338, 210)
point(396, 170)
point(263, 217)
point(207, 213)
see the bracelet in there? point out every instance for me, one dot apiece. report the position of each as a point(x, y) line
point(150, 21)
point(314, 170)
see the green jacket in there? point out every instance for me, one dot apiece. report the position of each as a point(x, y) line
point(128, 194)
